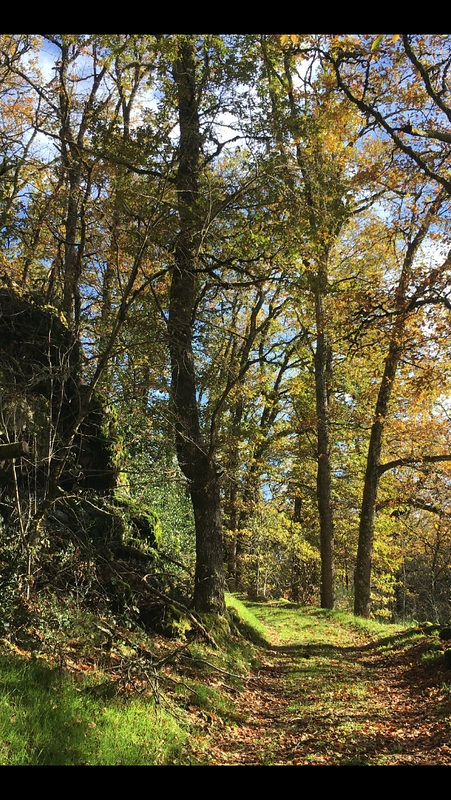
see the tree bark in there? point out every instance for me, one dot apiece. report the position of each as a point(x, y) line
point(362, 577)
point(323, 476)
point(195, 461)
point(13, 450)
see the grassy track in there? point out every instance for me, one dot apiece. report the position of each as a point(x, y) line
point(306, 687)
point(333, 690)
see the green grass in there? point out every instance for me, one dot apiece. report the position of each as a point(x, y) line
point(258, 630)
point(49, 719)
point(49, 716)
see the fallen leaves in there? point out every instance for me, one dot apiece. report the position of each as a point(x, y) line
point(385, 711)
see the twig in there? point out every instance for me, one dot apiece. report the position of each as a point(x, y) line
point(184, 610)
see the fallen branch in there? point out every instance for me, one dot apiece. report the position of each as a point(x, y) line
point(13, 450)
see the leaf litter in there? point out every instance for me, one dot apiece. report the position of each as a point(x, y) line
point(361, 704)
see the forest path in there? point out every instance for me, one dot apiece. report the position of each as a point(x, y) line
point(340, 698)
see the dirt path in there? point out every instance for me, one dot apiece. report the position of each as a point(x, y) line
point(383, 710)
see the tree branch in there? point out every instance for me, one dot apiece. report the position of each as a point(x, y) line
point(413, 461)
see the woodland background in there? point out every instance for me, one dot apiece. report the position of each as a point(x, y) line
point(225, 322)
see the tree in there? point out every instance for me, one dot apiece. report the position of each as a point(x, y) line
point(61, 226)
point(326, 200)
point(235, 267)
point(195, 461)
point(196, 211)
point(402, 308)
point(410, 70)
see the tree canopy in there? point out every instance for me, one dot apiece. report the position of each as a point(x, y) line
point(239, 247)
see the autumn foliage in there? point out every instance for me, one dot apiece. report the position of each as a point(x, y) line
point(248, 238)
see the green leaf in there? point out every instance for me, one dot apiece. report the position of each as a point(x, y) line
point(377, 42)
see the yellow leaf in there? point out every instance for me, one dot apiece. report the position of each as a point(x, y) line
point(284, 39)
point(377, 42)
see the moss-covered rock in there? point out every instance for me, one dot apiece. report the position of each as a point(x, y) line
point(41, 393)
point(95, 541)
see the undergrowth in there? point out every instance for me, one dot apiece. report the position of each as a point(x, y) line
point(76, 689)
point(79, 690)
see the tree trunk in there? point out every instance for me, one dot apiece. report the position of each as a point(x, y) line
point(73, 169)
point(233, 524)
point(209, 576)
point(13, 450)
point(323, 478)
point(323, 195)
point(195, 461)
point(362, 577)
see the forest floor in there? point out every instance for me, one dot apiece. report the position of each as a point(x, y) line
point(331, 694)
point(285, 686)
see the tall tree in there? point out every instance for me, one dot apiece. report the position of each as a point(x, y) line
point(194, 458)
point(402, 309)
point(324, 207)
